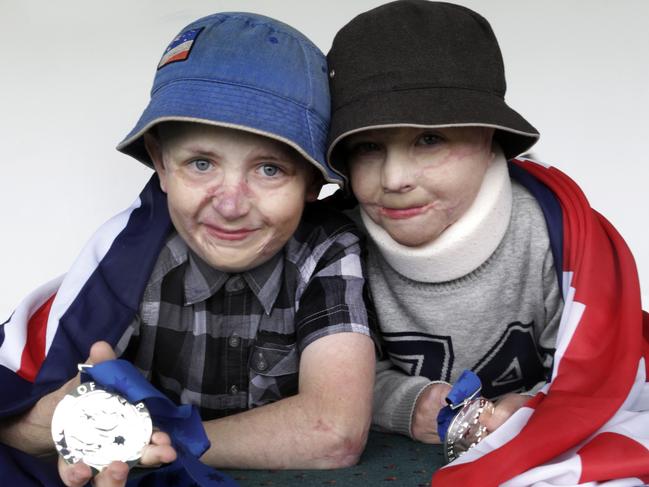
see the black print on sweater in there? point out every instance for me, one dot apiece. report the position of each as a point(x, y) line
point(421, 354)
point(500, 369)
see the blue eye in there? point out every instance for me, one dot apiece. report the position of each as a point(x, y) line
point(270, 170)
point(202, 165)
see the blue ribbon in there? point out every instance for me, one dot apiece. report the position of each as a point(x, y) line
point(182, 423)
point(466, 388)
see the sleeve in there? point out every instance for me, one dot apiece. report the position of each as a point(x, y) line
point(553, 303)
point(395, 396)
point(332, 300)
point(553, 309)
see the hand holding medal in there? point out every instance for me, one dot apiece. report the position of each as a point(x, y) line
point(459, 425)
point(99, 426)
point(79, 471)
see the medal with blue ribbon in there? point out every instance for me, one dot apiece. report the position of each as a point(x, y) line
point(458, 423)
point(182, 423)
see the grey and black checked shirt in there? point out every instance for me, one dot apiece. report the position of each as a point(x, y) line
point(230, 342)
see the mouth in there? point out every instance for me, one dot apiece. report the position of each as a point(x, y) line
point(403, 213)
point(234, 234)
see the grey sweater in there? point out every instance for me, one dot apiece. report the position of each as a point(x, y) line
point(500, 320)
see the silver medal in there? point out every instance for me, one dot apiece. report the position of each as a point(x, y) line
point(465, 430)
point(99, 427)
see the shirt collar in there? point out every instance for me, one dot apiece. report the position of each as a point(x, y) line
point(202, 280)
point(265, 280)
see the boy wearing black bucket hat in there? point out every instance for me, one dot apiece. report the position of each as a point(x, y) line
point(252, 307)
point(459, 259)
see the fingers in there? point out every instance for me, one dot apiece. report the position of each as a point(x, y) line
point(503, 410)
point(158, 451)
point(79, 474)
point(100, 352)
point(114, 475)
point(74, 475)
point(491, 419)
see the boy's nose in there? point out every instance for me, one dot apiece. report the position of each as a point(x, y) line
point(231, 201)
point(397, 175)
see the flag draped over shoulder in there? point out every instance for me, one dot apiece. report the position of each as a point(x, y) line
point(590, 424)
point(52, 329)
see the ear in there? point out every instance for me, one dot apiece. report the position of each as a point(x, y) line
point(314, 187)
point(154, 149)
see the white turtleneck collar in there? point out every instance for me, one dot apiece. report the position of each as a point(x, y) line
point(466, 244)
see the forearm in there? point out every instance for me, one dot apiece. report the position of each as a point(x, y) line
point(289, 434)
point(31, 431)
point(324, 426)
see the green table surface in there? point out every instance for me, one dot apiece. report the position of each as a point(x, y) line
point(388, 459)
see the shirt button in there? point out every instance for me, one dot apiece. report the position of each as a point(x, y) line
point(234, 284)
point(234, 389)
point(234, 341)
point(261, 363)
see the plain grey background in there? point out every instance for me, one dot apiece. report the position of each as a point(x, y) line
point(75, 76)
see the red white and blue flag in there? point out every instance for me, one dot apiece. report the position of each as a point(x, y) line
point(590, 424)
point(180, 47)
point(54, 327)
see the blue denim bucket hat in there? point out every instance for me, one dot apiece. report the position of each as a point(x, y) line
point(247, 72)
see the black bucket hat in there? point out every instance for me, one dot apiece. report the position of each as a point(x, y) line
point(420, 63)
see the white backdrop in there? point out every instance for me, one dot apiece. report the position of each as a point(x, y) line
point(75, 76)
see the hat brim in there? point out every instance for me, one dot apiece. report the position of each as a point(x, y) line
point(238, 107)
point(432, 107)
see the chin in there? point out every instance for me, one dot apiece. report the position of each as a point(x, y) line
point(407, 240)
point(413, 237)
point(229, 261)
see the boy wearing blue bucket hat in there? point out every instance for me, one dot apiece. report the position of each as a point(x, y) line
point(250, 306)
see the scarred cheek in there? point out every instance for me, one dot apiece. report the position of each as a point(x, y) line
point(458, 153)
point(280, 213)
point(192, 197)
point(461, 151)
point(271, 241)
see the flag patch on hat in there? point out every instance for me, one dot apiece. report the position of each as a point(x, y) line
point(180, 47)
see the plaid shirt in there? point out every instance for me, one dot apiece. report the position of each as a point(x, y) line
point(230, 342)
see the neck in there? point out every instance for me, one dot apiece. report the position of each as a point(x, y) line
point(462, 247)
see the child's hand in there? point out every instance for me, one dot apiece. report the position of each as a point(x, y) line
point(504, 408)
point(424, 418)
point(115, 474)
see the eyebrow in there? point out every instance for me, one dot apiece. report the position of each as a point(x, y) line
point(353, 140)
point(274, 153)
point(278, 151)
point(198, 149)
